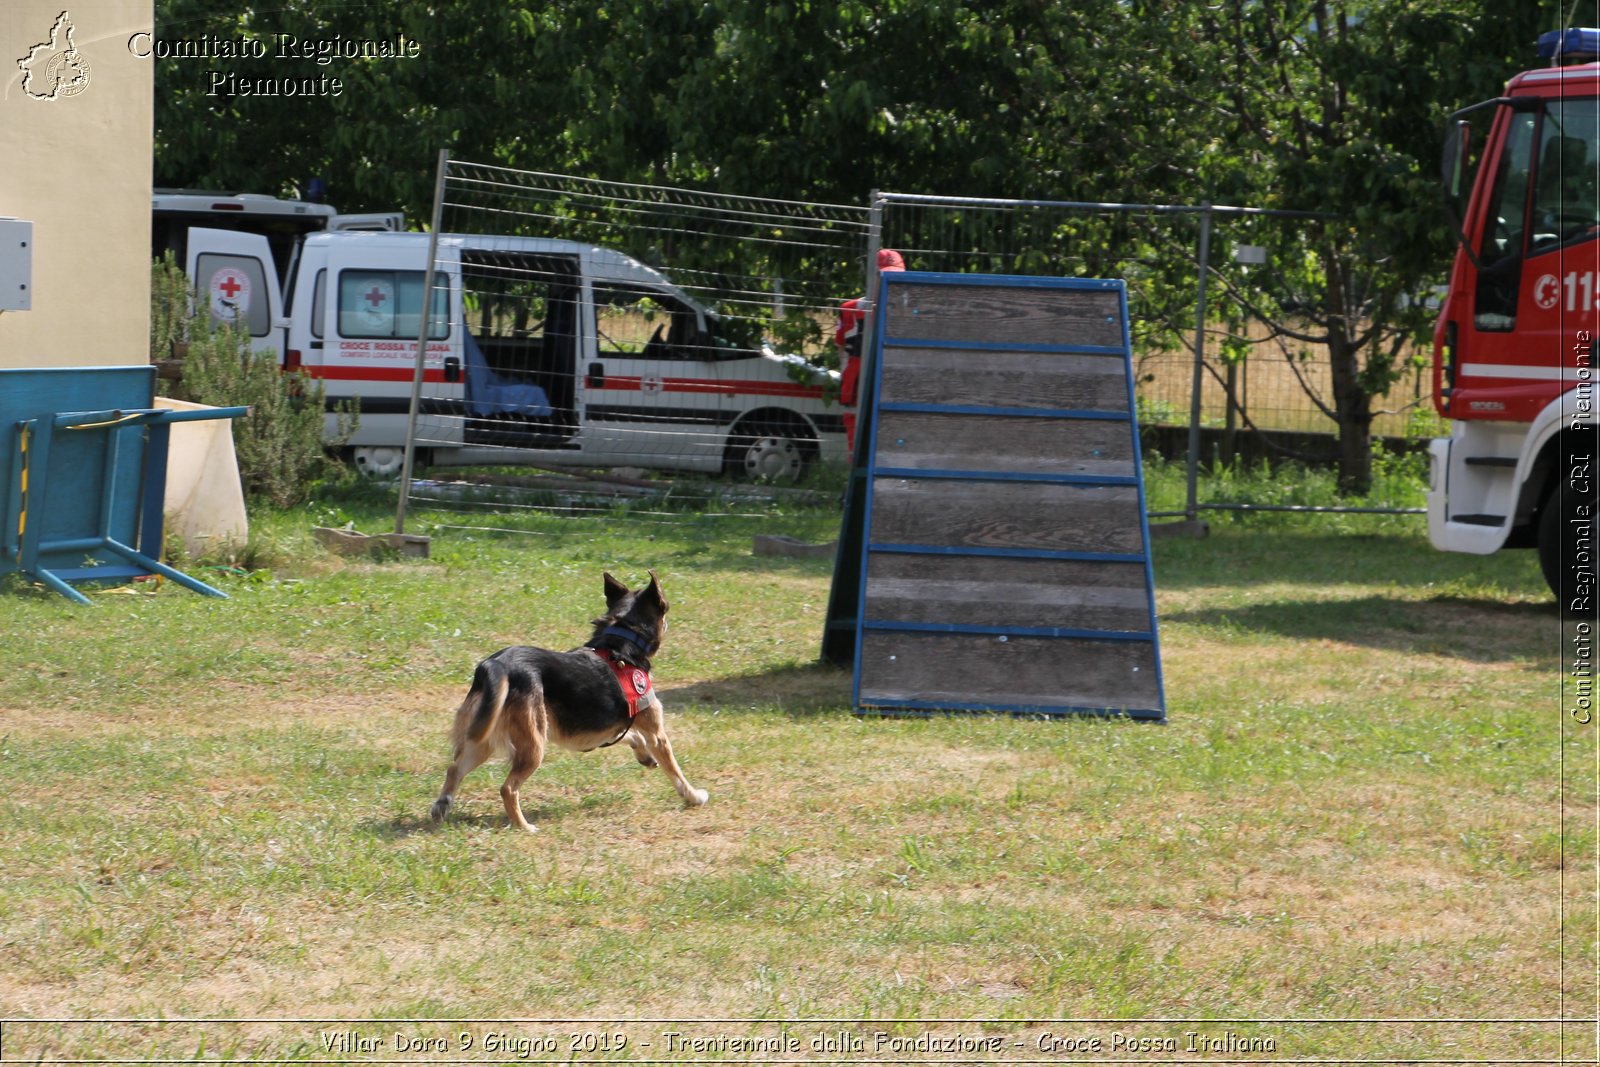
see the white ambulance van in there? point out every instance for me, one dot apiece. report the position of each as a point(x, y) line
point(540, 351)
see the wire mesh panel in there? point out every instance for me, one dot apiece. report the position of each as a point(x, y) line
point(1265, 365)
point(755, 259)
point(602, 324)
point(1007, 560)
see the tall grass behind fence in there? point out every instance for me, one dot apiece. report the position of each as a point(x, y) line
point(1278, 387)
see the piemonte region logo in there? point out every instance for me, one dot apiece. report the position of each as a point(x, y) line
point(55, 69)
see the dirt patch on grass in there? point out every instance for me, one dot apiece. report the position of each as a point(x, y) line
point(237, 706)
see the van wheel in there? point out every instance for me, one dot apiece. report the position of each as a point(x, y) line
point(771, 448)
point(378, 462)
point(1567, 549)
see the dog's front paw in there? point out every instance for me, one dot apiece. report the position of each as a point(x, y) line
point(440, 808)
point(696, 797)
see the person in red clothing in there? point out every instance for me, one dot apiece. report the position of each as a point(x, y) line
point(852, 322)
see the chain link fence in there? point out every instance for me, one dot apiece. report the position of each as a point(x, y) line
point(1255, 377)
point(1218, 376)
point(1216, 379)
point(622, 325)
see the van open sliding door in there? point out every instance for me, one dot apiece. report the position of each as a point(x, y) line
point(520, 348)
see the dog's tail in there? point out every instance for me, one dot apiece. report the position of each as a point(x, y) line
point(489, 684)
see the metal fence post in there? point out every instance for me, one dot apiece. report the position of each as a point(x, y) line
point(426, 317)
point(869, 325)
point(1191, 507)
point(844, 606)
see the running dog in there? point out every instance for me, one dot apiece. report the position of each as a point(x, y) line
point(524, 698)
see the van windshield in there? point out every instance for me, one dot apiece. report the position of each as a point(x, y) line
point(1566, 194)
point(1545, 196)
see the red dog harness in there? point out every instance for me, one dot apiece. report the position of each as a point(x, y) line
point(635, 683)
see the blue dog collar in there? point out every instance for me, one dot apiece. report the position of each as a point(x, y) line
point(627, 635)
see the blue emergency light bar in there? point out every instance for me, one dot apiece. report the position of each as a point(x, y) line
point(1570, 46)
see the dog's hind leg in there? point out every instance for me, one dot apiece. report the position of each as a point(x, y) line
point(525, 731)
point(651, 729)
point(469, 755)
point(472, 733)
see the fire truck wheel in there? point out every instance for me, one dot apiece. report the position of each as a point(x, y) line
point(1564, 536)
point(772, 448)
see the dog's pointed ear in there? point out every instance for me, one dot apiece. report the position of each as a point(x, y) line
point(615, 590)
point(653, 591)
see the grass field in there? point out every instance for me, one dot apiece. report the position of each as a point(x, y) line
point(1366, 832)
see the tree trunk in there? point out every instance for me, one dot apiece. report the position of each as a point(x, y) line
point(1355, 444)
point(1352, 403)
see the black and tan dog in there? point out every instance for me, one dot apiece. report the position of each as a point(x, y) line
point(524, 698)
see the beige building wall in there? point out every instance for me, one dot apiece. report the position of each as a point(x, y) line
point(76, 110)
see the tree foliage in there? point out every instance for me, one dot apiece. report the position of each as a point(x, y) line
point(1337, 108)
point(1313, 106)
point(1322, 106)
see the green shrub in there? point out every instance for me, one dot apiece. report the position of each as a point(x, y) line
point(171, 298)
point(279, 443)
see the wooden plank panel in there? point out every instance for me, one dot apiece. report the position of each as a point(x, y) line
point(1007, 591)
point(968, 377)
point(987, 444)
point(996, 315)
point(1006, 515)
point(1008, 673)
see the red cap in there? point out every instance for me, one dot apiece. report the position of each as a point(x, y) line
point(889, 259)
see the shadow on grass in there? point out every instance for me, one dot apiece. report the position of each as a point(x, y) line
point(1239, 557)
point(1469, 628)
point(799, 692)
point(486, 813)
point(400, 827)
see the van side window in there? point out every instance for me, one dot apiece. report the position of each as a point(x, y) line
point(645, 324)
point(319, 312)
point(388, 303)
point(236, 287)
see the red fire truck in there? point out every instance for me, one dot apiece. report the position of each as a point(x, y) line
point(1514, 348)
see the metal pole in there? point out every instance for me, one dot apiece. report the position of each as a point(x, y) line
point(844, 596)
point(426, 323)
point(869, 308)
point(1091, 205)
point(1191, 507)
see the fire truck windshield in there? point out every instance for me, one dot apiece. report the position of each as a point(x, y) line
point(1544, 198)
point(1565, 205)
